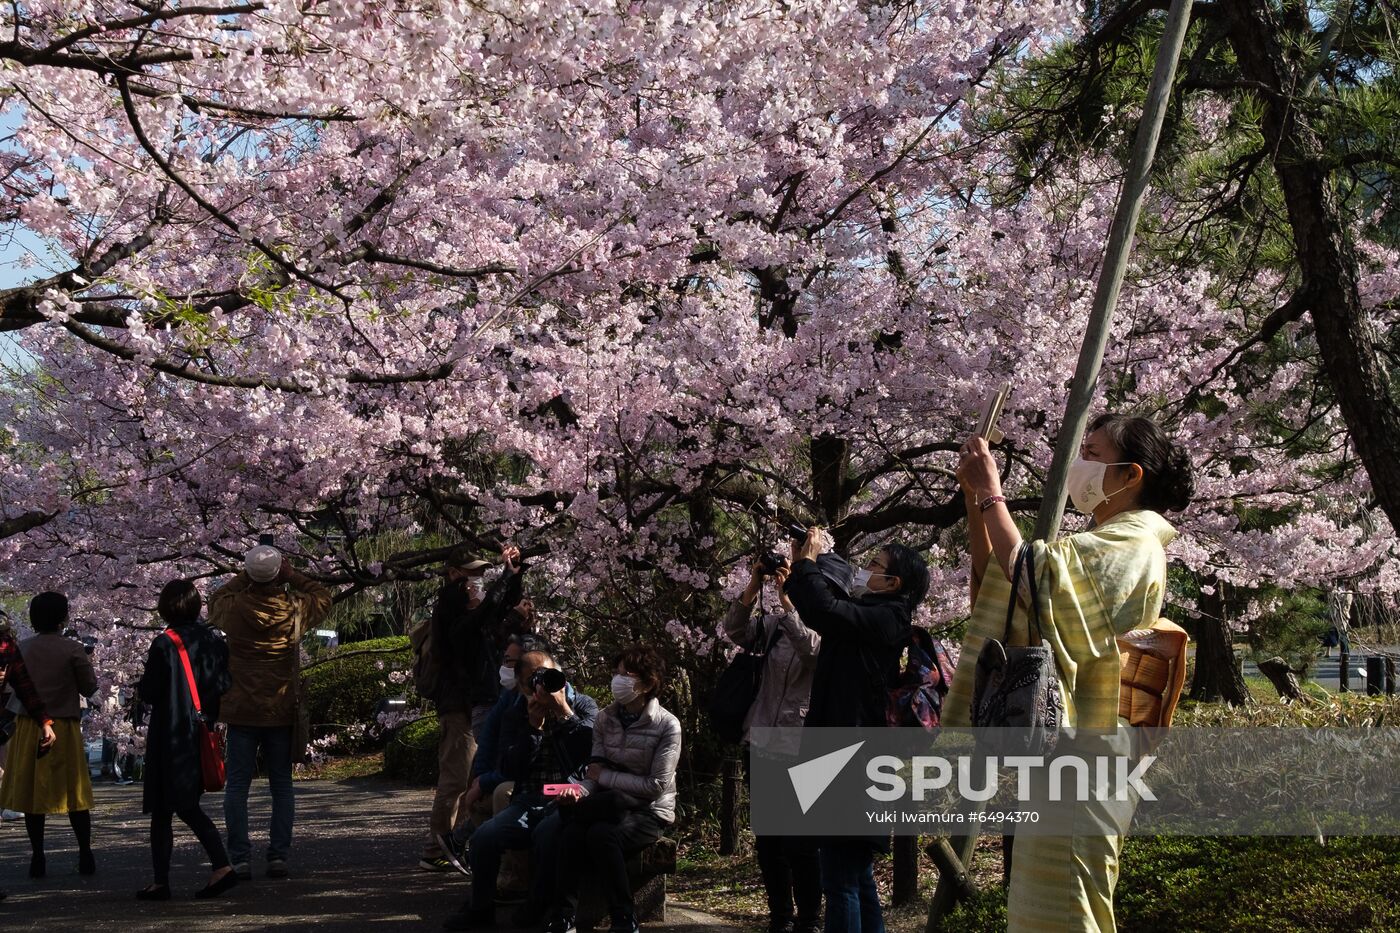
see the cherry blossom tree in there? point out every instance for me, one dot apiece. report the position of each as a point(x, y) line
point(624, 282)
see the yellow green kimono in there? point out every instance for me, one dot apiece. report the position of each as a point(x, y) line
point(1093, 586)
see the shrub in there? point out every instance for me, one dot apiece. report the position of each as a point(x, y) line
point(1240, 884)
point(411, 753)
point(346, 685)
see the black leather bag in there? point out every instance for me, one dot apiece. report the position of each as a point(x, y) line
point(737, 688)
point(1018, 689)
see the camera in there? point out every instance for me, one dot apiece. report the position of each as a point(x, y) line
point(771, 563)
point(267, 539)
point(550, 679)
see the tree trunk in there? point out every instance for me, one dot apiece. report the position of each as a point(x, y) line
point(1326, 259)
point(1217, 676)
point(831, 465)
point(1281, 676)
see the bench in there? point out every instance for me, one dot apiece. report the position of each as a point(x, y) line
point(646, 871)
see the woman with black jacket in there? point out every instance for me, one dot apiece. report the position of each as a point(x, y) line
point(863, 634)
point(174, 779)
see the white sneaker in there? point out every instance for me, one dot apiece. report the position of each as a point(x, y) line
point(11, 815)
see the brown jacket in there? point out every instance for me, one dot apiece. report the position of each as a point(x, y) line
point(258, 620)
point(61, 673)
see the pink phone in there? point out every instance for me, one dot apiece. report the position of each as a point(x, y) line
point(554, 790)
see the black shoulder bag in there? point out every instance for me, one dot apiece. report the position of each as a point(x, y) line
point(737, 688)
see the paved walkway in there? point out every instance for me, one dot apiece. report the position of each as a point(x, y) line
point(353, 868)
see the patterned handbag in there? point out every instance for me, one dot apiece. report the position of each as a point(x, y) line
point(1019, 688)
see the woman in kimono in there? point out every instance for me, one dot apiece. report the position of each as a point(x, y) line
point(1093, 586)
point(174, 780)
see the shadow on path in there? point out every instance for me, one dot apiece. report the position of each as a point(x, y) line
point(353, 863)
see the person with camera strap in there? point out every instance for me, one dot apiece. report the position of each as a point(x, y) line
point(545, 743)
point(789, 866)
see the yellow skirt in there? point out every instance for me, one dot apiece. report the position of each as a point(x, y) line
point(56, 783)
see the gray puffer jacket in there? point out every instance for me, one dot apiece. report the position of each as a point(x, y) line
point(641, 759)
point(785, 691)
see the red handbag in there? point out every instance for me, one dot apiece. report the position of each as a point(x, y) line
point(211, 752)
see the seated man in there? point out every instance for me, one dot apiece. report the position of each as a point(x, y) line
point(545, 740)
point(489, 791)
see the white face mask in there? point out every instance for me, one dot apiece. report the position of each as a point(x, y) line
point(860, 586)
point(508, 676)
point(1086, 484)
point(624, 688)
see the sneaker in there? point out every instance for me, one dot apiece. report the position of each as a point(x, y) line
point(455, 853)
point(10, 816)
point(437, 863)
point(277, 868)
point(468, 919)
point(242, 871)
point(561, 924)
point(512, 896)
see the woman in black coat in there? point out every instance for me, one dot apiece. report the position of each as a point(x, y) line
point(174, 781)
point(864, 630)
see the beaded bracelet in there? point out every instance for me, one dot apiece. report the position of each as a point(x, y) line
point(990, 501)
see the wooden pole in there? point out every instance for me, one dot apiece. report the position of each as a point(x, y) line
point(729, 807)
point(906, 870)
point(1375, 675)
point(1115, 264)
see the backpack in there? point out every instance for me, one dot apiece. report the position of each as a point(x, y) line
point(427, 670)
point(737, 688)
point(917, 697)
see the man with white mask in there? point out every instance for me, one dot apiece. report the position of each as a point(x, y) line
point(470, 625)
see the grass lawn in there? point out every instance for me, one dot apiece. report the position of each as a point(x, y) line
point(1168, 885)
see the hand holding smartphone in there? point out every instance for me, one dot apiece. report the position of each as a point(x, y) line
point(991, 412)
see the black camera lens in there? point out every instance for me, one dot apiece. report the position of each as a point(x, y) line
point(550, 678)
point(771, 563)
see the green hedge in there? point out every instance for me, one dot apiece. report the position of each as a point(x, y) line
point(348, 683)
point(411, 754)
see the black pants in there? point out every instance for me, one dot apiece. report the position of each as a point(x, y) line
point(792, 876)
point(603, 845)
point(792, 879)
point(163, 839)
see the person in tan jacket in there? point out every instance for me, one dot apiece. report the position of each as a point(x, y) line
point(263, 612)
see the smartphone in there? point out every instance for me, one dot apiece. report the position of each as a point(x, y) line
point(270, 540)
point(796, 532)
point(991, 412)
point(43, 749)
point(554, 790)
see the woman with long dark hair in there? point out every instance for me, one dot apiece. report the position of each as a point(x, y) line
point(174, 779)
point(864, 628)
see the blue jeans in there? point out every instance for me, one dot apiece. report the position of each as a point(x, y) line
point(518, 826)
point(848, 880)
point(243, 744)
